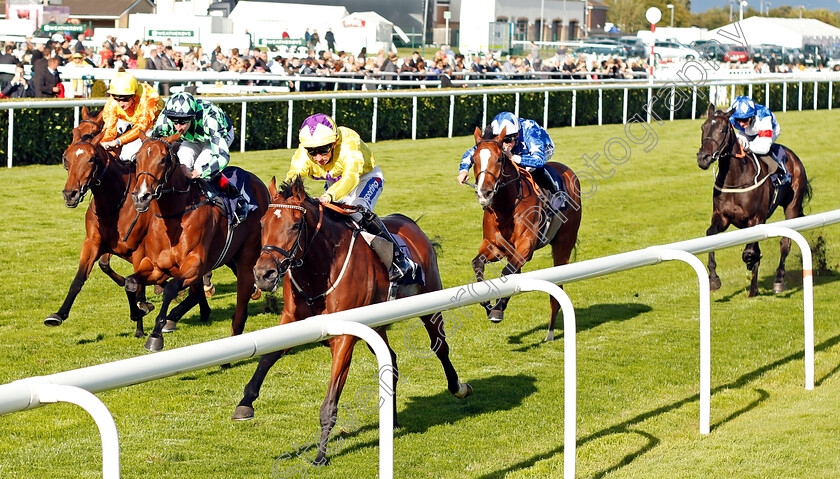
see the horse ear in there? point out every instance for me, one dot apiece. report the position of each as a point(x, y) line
point(98, 138)
point(85, 113)
point(173, 138)
point(711, 111)
point(76, 135)
point(501, 135)
point(272, 187)
point(142, 135)
point(298, 191)
point(477, 135)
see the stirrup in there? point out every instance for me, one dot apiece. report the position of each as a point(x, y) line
point(400, 271)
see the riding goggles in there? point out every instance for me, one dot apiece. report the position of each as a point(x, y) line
point(180, 121)
point(319, 150)
point(510, 138)
point(122, 97)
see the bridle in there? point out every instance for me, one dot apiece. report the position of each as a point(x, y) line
point(721, 151)
point(170, 166)
point(95, 178)
point(293, 258)
point(503, 159)
point(96, 124)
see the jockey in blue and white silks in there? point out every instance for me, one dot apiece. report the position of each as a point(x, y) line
point(757, 130)
point(529, 146)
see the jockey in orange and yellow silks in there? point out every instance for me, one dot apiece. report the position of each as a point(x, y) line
point(338, 156)
point(132, 107)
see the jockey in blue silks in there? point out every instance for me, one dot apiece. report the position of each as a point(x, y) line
point(527, 144)
point(757, 130)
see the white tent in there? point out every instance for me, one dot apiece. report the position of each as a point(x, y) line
point(363, 29)
point(787, 32)
point(268, 20)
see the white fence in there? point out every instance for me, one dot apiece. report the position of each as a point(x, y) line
point(35, 391)
point(713, 87)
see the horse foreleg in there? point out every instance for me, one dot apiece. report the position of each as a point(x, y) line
point(86, 260)
point(435, 326)
point(245, 409)
point(752, 257)
point(155, 340)
point(132, 285)
point(718, 224)
point(105, 266)
point(497, 314)
point(779, 281)
point(342, 352)
point(195, 297)
point(209, 288)
point(486, 254)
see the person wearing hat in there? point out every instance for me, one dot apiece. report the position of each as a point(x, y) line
point(131, 108)
point(77, 60)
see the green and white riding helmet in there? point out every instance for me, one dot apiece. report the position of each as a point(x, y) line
point(181, 105)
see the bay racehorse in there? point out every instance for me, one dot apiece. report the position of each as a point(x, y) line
point(328, 269)
point(744, 196)
point(112, 225)
point(517, 220)
point(189, 236)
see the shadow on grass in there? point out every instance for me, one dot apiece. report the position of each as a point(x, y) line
point(793, 284)
point(587, 318)
point(626, 426)
point(496, 393)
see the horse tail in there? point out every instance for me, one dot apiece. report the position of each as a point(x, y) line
point(806, 196)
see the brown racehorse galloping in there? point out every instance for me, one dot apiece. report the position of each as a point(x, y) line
point(514, 215)
point(112, 225)
point(744, 195)
point(189, 236)
point(328, 269)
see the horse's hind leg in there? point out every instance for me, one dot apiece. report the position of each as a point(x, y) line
point(132, 285)
point(752, 257)
point(382, 375)
point(342, 352)
point(435, 326)
point(209, 288)
point(779, 282)
point(196, 296)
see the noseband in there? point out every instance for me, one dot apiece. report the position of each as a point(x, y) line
point(721, 152)
point(503, 159)
point(288, 260)
point(95, 178)
point(159, 190)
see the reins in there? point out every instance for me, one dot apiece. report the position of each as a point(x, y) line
point(503, 160)
point(723, 151)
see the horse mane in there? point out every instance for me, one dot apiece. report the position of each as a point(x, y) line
point(287, 189)
point(487, 134)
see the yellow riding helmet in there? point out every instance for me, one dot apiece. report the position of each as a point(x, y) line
point(318, 130)
point(123, 84)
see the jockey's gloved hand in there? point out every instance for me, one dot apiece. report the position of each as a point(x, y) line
point(745, 143)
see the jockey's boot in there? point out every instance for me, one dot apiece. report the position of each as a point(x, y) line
point(401, 266)
point(782, 175)
point(552, 191)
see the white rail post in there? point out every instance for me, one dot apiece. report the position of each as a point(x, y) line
point(334, 327)
point(484, 110)
point(334, 109)
point(574, 107)
point(242, 129)
point(767, 94)
point(600, 105)
point(11, 141)
point(784, 97)
point(373, 120)
point(830, 93)
point(545, 109)
point(75, 116)
point(816, 94)
point(52, 393)
point(516, 105)
point(750, 91)
point(705, 330)
point(671, 109)
point(290, 126)
point(624, 108)
point(800, 96)
point(694, 102)
point(807, 295)
point(414, 118)
point(648, 106)
point(569, 367)
point(451, 114)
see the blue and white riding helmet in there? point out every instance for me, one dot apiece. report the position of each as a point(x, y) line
point(505, 121)
point(742, 108)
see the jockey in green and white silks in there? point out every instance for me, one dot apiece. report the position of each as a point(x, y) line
point(206, 133)
point(757, 130)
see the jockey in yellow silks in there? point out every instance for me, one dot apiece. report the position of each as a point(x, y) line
point(132, 107)
point(337, 155)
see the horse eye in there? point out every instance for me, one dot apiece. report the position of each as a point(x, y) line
point(296, 227)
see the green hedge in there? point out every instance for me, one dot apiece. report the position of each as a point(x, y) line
point(42, 134)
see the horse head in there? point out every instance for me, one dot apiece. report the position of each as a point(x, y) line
point(718, 138)
point(488, 164)
point(85, 162)
point(90, 124)
point(287, 230)
point(156, 165)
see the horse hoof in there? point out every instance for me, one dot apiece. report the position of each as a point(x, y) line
point(464, 391)
point(778, 287)
point(145, 306)
point(225, 366)
point(714, 284)
point(243, 413)
point(169, 326)
point(139, 334)
point(256, 294)
point(549, 337)
point(209, 290)
point(154, 343)
point(496, 316)
point(158, 289)
point(53, 320)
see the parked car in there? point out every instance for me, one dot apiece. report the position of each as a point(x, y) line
point(636, 45)
point(674, 50)
point(813, 54)
point(709, 49)
point(736, 54)
point(603, 47)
